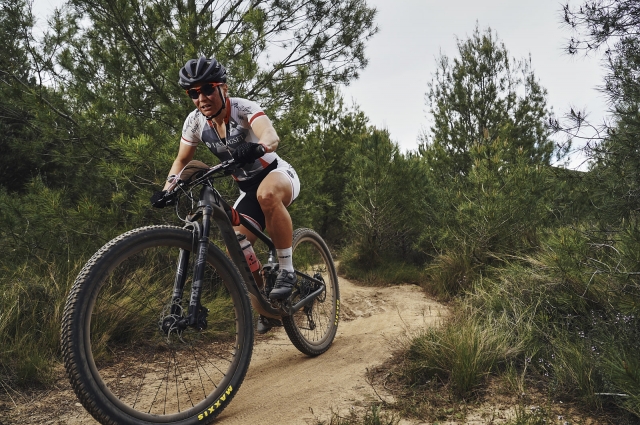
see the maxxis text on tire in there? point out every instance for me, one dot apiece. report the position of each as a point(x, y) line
point(122, 366)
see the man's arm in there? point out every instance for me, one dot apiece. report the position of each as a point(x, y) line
point(265, 132)
point(185, 154)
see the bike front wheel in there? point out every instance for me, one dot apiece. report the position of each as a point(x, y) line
point(313, 328)
point(126, 365)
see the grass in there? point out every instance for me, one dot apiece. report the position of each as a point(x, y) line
point(373, 415)
point(522, 322)
point(450, 275)
point(385, 273)
point(31, 303)
point(33, 298)
point(546, 321)
point(564, 320)
point(462, 353)
point(537, 415)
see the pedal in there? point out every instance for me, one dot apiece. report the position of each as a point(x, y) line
point(274, 322)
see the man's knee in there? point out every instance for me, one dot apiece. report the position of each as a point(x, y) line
point(274, 192)
point(268, 199)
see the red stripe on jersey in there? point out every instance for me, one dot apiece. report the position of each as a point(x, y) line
point(263, 162)
point(188, 141)
point(259, 114)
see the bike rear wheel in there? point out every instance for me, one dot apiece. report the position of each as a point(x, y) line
point(123, 366)
point(313, 328)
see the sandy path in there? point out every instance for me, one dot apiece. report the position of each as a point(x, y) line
point(282, 385)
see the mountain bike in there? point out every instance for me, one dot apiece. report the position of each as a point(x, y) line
point(158, 326)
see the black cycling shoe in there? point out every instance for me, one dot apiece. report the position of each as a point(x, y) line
point(265, 324)
point(284, 285)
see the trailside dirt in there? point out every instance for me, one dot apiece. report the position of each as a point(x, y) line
point(283, 386)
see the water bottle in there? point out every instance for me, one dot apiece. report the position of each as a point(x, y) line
point(249, 253)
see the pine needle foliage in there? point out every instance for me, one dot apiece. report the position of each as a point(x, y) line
point(91, 118)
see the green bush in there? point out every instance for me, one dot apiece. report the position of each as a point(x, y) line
point(565, 316)
point(451, 274)
point(387, 271)
point(461, 353)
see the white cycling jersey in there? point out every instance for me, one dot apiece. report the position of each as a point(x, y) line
point(240, 113)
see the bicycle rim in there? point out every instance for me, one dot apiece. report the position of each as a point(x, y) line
point(136, 371)
point(313, 328)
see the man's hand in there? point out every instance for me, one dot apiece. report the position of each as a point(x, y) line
point(248, 152)
point(161, 200)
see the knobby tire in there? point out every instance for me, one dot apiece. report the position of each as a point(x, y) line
point(122, 366)
point(312, 257)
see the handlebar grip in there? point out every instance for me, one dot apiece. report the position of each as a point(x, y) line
point(261, 149)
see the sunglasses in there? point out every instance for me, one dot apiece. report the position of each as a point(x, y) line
point(206, 89)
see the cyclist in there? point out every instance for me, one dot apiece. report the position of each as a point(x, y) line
point(235, 128)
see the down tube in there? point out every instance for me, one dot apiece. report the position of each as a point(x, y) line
point(235, 252)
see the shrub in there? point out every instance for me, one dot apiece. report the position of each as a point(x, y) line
point(387, 271)
point(451, 274)
point(461, 353)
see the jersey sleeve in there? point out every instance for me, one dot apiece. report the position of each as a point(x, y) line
point(248, 111)
point(191, 130)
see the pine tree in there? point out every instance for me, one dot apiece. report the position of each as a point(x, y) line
point(611, 27)
point(33, 120)
point(376, 220)
point(485, 154)
point(122, 65)
point(480, 96)
point(318, 137)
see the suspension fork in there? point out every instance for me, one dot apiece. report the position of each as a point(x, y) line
point(182, 265)
point(179, 281)
point(196, 316)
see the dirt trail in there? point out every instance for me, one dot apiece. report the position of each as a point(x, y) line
point(282, 385)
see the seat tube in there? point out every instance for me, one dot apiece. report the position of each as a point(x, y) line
point(201, 261)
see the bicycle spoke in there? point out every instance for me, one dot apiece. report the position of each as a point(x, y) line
point(129, 344)
point(312, 328)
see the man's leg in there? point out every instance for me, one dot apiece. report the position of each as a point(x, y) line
point(274, 193)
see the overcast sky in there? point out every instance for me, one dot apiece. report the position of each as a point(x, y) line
point(413, 33)
point(402, 56)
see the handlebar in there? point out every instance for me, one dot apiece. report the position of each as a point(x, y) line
point(225, 167)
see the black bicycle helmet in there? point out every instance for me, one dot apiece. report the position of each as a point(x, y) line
point(203, 70)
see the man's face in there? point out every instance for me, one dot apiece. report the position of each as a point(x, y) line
point(208, 100)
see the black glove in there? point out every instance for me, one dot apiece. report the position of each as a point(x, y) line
point(161, 200)
point(248, 152)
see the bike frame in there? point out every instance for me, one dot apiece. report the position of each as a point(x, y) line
point(212, 207)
